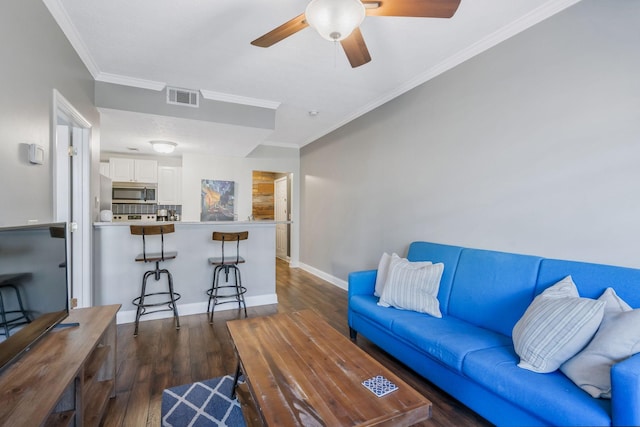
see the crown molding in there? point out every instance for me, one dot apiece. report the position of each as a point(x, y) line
point(130, 81)
point(543, 12)
point(64, 22)
point(280, 144)
point(237, 99)
point(61, 17)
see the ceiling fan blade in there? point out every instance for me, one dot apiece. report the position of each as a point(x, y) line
point(417, 8)
point(356, 49)
point(282, 32)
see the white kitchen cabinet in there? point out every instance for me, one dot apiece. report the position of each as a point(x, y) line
point(169, 185)
point(133, 170)
point(121, 169)
point(146, 170)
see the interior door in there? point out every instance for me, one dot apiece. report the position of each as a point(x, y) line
point(72, 193)
point(64, 190)
point(281, 214)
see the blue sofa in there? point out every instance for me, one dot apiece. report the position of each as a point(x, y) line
point(469, 351)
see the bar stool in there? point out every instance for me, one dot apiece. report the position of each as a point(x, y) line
point(142, 302)
point(226, 293)
point(12, 318)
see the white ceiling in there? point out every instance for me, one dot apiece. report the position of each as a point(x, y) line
point(129, 132)
point(204, 45)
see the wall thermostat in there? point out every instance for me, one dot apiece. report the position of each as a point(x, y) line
point(36, 154)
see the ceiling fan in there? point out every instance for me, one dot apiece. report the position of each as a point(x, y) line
point(339, 20)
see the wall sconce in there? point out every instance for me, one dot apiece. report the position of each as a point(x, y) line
point(36, 154)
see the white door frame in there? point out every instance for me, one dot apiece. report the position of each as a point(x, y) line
point(281, 228)
point(81, 138)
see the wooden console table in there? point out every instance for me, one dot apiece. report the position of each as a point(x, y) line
point(67, 377)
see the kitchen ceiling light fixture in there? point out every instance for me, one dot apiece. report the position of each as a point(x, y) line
point(164, 147)
point(334, 20)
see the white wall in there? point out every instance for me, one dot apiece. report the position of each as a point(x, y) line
point(196, 167)
point(36, 58)
point(531, 147)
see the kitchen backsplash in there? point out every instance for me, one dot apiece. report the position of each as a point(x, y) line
point(134, 208)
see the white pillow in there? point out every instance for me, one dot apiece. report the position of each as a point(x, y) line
point(383, 269)
point(381, 276)
point(557, 325)
point(617, 339)
point(411, 286)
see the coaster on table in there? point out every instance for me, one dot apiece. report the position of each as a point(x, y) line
point(379, 385)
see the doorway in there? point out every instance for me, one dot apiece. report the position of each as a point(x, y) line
point(271, 200)
point(71, 189)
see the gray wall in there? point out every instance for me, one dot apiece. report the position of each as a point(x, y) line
point(35, 58)
point(531, 147)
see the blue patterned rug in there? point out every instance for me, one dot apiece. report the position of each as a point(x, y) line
point(206, 403)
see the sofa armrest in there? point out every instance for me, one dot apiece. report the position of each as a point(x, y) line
point(362, 282)
point(625, 392)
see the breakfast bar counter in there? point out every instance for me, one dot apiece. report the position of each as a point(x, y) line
point(117, 277)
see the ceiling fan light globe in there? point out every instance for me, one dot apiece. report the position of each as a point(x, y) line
point(334, 20)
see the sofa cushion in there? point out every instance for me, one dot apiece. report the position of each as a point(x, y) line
point(557, 325)
point(413, 286)
point(617, 339)
point(435, 252)
point(367, 306)
point(592, 279)
point(552, 396)
point(448, 339)
point(502, 282)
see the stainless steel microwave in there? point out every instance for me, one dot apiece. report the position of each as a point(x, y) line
point(133, 192)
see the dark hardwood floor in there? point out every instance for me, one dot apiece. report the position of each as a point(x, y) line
point(161, 357)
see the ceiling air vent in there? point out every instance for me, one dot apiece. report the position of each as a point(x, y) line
point(186, 97)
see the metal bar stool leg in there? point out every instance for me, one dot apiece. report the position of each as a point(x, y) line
point(214, 290)
point(5, 323)
point(235, 381)
point(211, 291)
point(238, 287)
point(23, 312)
point(240, 290)
point(140, 299)
point(173, 299)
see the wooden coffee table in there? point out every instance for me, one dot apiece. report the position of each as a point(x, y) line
point(300, 371)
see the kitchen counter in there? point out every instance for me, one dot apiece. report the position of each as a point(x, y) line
point(118, 278)
point(255, 222)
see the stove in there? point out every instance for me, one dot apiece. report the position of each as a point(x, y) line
point(133, 217)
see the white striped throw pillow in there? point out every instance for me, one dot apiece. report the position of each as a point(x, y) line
point(385, 264)
point(413, 286)
point(556, 326)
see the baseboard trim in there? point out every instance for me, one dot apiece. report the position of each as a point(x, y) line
point(129, 316)
point(324, 276)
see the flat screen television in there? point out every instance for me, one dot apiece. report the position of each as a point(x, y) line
point(34, 295)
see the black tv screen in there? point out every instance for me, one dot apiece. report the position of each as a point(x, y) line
point(34, 294)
